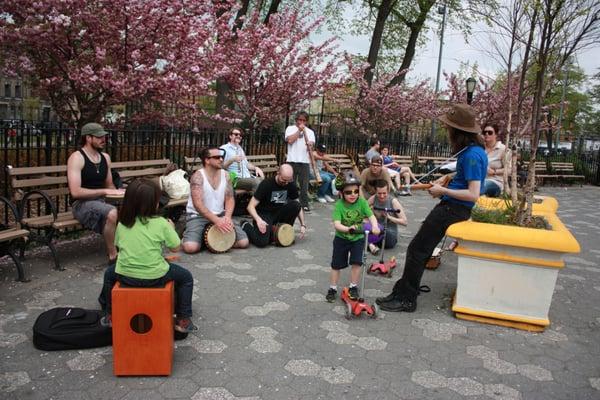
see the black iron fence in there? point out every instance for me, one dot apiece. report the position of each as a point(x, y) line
point(30, 144)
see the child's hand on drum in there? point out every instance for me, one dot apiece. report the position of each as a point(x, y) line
point(172, 257)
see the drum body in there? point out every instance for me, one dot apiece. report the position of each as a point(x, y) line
point(283, 234)
point(374, 239)
point(217, 241)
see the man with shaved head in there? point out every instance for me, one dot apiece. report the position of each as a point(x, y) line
point(275, 201)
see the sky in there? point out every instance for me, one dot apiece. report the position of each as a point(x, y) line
point(455, 51)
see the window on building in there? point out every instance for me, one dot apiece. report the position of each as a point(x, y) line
point(18, 91)
point(7, 90)
point(3, 111)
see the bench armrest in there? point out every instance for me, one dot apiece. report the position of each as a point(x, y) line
point(49, 203)
point(12, 208)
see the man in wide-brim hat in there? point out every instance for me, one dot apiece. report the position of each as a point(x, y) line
point(456, 203)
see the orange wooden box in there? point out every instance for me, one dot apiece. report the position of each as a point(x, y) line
point(142, 330)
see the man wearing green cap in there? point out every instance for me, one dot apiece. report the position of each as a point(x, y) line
point(90, 180)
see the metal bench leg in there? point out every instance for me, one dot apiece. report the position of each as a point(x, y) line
point(20, 271)
point(48, 240)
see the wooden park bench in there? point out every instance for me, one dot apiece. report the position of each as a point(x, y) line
point(558, 171)
point(12, 233)
point(427, 163)
point(403, 160)
point(42, 196)
point(268, 163)
point(343, 164)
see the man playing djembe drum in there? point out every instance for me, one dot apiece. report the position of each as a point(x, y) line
point(211, 202)
point(274, 202)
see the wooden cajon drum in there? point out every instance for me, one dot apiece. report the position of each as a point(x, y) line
point(142, 330)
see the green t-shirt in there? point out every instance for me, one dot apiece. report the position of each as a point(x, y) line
point(140, 248)
point(351, 214)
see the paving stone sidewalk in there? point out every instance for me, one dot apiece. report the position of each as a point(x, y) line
point(266, 331)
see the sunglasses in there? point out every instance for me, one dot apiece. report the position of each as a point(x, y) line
point(237, 134)
point(216, 157)
point(488, 132)
point(349, 192)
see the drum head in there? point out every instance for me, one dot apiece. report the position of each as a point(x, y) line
point(284, 235)
point(217, 241)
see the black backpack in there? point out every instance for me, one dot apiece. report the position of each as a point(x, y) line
point(67, 328)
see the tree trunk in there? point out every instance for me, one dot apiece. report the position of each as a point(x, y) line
point(409, 51)
point(272, 10)
point(384, 11)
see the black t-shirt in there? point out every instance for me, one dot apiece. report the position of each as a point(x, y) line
point(272, 196)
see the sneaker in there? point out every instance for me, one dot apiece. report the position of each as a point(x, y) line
point(353, 293)
point(243, 223)
point(106, 321)
point(321, 200)
point(329, 199)
point(373, 249)
point(403, 192)
point(306, 209)
point(185, 325)
point(331, 295)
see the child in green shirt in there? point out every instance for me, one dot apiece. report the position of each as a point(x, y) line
point(348, 215)
point(140, 236)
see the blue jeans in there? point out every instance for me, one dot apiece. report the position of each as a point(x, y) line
point(325, 187)
point(491, 188)
point(184, 286)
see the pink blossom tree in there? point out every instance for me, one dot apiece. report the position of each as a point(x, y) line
point(379, 107)
point(271, 68)
point(87, 55)
point(490, 101)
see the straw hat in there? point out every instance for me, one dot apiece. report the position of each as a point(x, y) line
point(461, 116)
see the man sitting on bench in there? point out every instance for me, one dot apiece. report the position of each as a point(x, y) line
point(236, 162)
point(90, 180)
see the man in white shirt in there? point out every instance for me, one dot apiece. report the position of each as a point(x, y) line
point(235, 161)
point(297, 137)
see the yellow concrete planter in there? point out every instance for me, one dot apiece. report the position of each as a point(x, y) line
point(546, 203)
point(506, 274)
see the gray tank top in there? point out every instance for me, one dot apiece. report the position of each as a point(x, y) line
point(392, 227)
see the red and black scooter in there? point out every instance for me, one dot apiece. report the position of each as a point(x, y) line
point(384, 267)
point(355, 308)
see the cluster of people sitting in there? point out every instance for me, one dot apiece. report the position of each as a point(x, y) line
point(140, 233)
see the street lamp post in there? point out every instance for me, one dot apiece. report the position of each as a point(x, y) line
point(470, 89)
point(441, 10)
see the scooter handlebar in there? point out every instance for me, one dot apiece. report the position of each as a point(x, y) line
point(387, 209)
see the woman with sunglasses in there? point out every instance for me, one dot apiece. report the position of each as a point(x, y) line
point(494, 182)
point(457, 201)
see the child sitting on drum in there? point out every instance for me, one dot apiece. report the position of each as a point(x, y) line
point(382, 199)
point(348, 215)
point(140, 236)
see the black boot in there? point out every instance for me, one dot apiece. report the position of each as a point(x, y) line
point(397, 289)
point(404, 300)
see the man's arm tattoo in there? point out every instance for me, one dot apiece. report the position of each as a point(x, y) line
point(228, 188)
point(196, 184)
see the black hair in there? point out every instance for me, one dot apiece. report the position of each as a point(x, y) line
point(374, 141)
point(381, 183)
point(141, 201)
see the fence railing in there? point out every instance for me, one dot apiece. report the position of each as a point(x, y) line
point(26, 144)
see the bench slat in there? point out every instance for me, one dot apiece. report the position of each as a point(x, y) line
point(13, 233)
